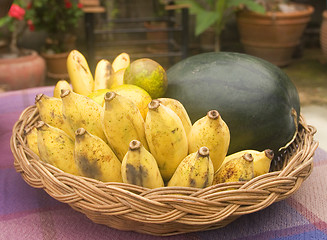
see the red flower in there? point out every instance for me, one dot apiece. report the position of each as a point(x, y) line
point(79, 5)
point(68, 4)
point(29, 5)
point(17, 12)
point(30, 24)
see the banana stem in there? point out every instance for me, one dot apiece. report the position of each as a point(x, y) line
point(134, 145)
point(213, 114)
point(248, 157)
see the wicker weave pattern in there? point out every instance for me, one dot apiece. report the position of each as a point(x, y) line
point(164, 211)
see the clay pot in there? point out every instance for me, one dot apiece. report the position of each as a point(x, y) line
point(323, 33)
point(56, 65)
point(273, 36)
point(155, 35)
point(22, 72)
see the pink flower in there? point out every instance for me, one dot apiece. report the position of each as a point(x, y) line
point(17, 12)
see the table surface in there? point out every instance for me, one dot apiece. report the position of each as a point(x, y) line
point(29, 213)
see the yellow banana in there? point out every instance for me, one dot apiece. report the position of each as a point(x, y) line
point(117, 78)
point(195, 170)
point(79, 73)
point(179, 109)
point(50, 111)
point(210, 131)
point(95, 159)
point(262, 161)
point(120, 62)
point(31, 139)
point(237, 169)
point(122, 122)
point(81, 111)
point(61, 84)
point(103, 75)
point(140, 168)
point(166, 138)
point(56, 147)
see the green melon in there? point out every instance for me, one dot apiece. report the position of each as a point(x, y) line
point(256, 99)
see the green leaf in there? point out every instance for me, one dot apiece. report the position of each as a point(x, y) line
point(4, 21)
point(204, 20)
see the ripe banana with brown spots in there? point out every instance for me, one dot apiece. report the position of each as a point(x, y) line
point(166, 138)
point(237, 169)
point(195, 170)
point(122, 122)
point(81, 111)
point(50, 111)
point(103, 75)
point(140, 168)
point(95, 159)
point(56, 147)
point(60, 85)
point(179, 109)
point(79, 73)
point(210, 131)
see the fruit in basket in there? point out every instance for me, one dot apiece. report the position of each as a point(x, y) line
point(210, 131)
point(56, 147)
point(50, 111)
point(81, 111)
point(166, 137)
point(179, 109)
point(103, 75)
point(237, 169)
point(61, 84)
point(122, 122)
point(139, 167)
point(147, 74)
point(117, 78)
point(31, 139)
point(122, 61)
point(79, 73)
point(261, 160)
point(136, 94)
point(256, 99)
point(195, 170)
point(95, 159)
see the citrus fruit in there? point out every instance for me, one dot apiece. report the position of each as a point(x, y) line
point(147, 74)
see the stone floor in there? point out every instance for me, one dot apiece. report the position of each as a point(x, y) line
point(309, 74)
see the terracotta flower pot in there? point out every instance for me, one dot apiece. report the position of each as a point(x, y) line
point(22, 72)
point(323, 33)
point(273, 36)
point(56, 65)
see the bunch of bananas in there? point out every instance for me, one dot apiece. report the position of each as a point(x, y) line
point(113, 142)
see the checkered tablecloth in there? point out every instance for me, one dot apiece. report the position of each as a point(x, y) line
point(29, 213)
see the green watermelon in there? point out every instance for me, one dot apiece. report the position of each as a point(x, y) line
point(255, 98)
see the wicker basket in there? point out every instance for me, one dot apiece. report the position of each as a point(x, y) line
point(169, 210)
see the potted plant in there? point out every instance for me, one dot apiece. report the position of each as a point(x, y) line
point(275, 34)
point(19, 68)
point(213, 14)
point(157, 29)
point(59, 19)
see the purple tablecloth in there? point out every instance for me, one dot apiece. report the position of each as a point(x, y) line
point(29, 213)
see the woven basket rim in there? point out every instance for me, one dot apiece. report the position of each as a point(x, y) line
point(167, 210)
